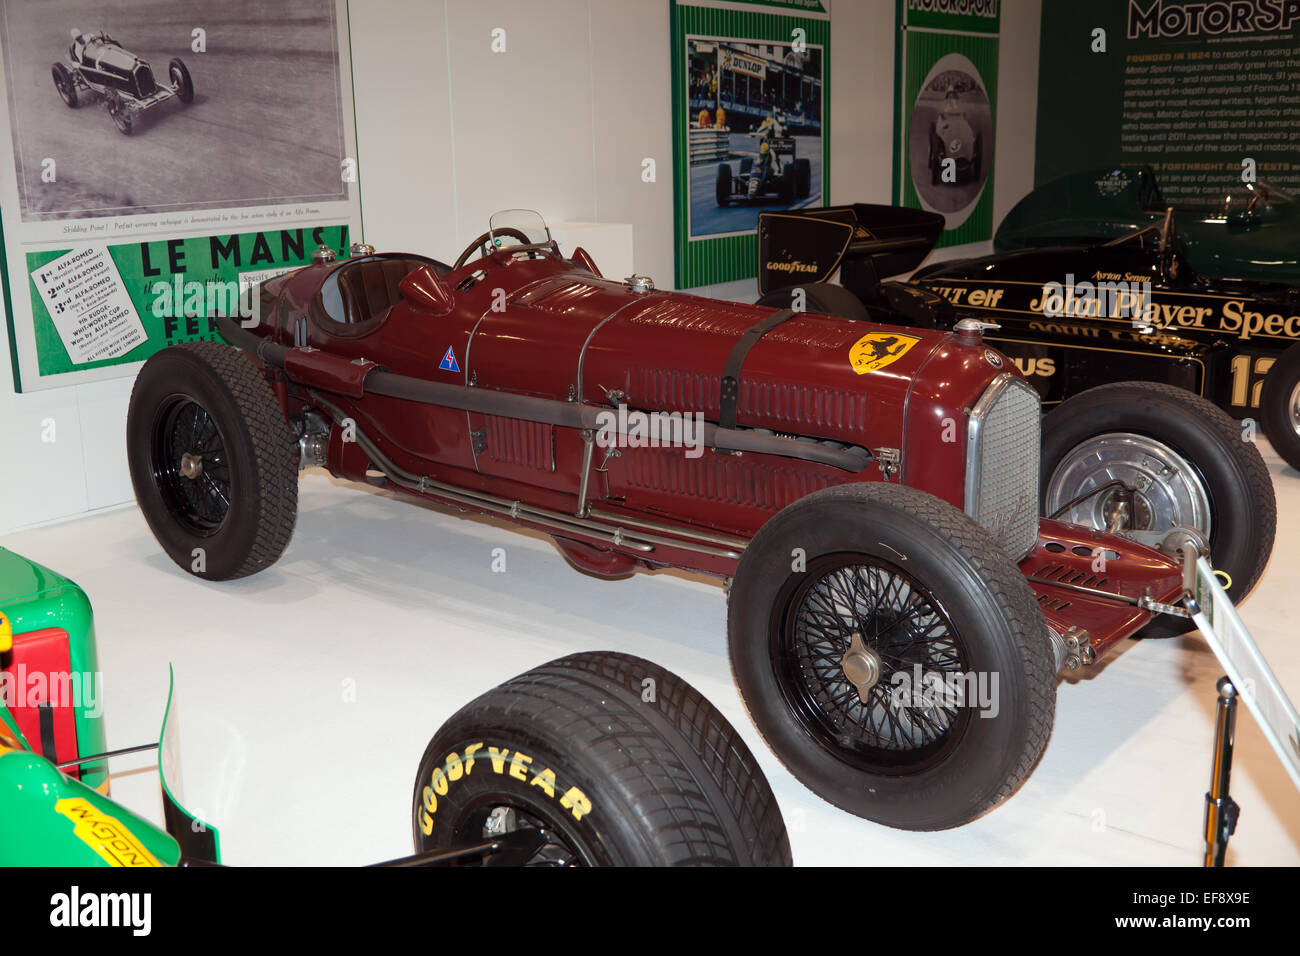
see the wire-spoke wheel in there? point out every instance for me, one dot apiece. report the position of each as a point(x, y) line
point(190, 465)
point(213, 460)
point(868, 656)
point(892, 655)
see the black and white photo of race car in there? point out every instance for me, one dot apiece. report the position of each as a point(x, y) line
point(98, 67)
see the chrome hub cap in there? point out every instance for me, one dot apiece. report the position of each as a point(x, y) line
point(1295, 408)
point(191, 465)
point(1130, 484)
point(861, 666)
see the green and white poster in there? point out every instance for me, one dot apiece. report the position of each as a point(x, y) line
point(751, 132)
point(166, 156)
point(1205, 93)
point(946, 66)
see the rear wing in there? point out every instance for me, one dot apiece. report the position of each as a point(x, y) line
point(866, 242)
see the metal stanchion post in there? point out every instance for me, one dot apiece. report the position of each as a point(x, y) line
point(1220, 809)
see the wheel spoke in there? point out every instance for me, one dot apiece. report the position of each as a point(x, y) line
point(854, 606)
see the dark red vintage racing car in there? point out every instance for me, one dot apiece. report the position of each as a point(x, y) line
point(898, 611)
point(98, 67)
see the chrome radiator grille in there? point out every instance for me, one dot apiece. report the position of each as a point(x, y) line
point(1002, 455)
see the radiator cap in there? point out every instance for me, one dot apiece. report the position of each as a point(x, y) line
point(971, 330)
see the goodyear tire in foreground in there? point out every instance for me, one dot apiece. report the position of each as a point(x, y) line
point(597, 759)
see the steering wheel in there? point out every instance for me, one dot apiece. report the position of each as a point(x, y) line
point(481, 243)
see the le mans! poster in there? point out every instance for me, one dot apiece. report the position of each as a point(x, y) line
point(167, 154)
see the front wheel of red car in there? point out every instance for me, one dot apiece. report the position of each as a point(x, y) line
point(213, 461)
point(596, 759)
point(1145, 458)
point(892, 655)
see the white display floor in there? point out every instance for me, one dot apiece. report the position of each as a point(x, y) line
point(310, 690)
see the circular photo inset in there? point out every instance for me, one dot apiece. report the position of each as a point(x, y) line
point(950, 139)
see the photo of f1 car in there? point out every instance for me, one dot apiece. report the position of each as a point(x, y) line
point(868, 493)
point(775, 172)
point(100, 68)
point(530, 773)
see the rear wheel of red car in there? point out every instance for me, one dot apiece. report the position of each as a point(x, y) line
point(213, 461)
point(1279, 406)
point(1144, 458)
point(64, 83)
point(892, 655)
point(180, 77)
point(597, 759)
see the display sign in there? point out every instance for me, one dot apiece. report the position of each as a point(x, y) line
point(167, 154)
point(750, 126)
point(1207, 94)
point(946, 70)
point(1245, 666)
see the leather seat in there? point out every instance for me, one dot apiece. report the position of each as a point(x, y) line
point(369, 288)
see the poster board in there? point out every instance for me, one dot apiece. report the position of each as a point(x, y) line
point(143, 196)
point(738, 67)
point(1192, 89)
point(945, 112)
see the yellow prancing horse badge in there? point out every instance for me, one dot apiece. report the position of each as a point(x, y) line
point(875, 350)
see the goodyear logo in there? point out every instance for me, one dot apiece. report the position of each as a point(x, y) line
point(875, 350)
point(104, 834)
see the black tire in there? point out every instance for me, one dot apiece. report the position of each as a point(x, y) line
point(120, 115)
point(961, 584)
point(65, 84)
point(644, 771)
point(180, 76)
point(1279, 406)
point(211, 399)
point(789, 187)
point(820, 298)
point(803, 178)
point(1229, 472)
point(722, 188)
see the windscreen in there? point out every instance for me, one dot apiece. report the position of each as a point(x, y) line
point(518, 227)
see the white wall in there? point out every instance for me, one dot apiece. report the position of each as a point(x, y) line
point(449, 131)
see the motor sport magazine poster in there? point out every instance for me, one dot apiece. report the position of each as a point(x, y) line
point(945, 110)
point(1193, 89)
point(735, 65)
point(116, 245)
